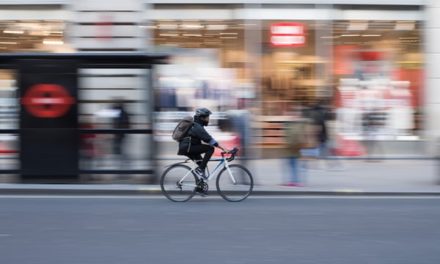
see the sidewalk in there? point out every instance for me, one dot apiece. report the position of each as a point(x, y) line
point(355, 177)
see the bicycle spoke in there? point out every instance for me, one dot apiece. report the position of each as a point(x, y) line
point(178, 183)
point(235, 184)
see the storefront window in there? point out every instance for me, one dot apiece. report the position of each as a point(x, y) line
point(32, 35)
point(293, 69)
point(367, 73)
point(207, 67)
point(295, 74)
point(378, 69)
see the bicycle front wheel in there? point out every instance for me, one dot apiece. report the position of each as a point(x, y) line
point(235, 184)
point(178, 183)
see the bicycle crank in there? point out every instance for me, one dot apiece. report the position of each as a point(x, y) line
point(202, 187)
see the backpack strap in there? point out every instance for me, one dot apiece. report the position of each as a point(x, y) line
point(188, 136)
point(189, 145)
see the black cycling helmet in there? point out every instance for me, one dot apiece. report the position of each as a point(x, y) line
point(202, 112)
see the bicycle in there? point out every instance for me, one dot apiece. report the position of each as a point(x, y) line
point(180, 182)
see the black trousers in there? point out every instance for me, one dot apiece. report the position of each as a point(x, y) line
point(196, 151)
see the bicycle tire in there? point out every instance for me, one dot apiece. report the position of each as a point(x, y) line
point(172, 175)
point(235, 192)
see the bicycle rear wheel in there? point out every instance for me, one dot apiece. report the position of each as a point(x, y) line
point(236, 184)
point(178, 183)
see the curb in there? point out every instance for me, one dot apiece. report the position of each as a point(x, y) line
point(57, 189)
point(343, 193)
point(155, 191)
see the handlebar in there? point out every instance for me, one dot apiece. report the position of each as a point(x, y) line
point(232, 152)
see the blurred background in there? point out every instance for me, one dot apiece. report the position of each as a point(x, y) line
point(361, 66)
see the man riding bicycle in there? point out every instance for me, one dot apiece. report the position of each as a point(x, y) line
point(191, 145)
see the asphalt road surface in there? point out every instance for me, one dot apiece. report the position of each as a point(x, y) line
point(124, 230)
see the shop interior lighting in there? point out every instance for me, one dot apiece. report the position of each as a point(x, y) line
point(216, 27)
point(192, 35)
point(168, 26)
point(228, 33)
point(371, 35)
point(228, 37)
point(53, 42)
point(405, 25)
point(191, 26)
point(39, 27)
point(38, 33)
point(357, 25)
point(8, 43)
point(10, 31)
point(168, 35)
point(56, 32)
point(350, 35)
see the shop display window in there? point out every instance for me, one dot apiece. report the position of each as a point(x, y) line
point(33, 35)
point(378, 73)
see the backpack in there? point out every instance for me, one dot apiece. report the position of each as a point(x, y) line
point(182, 128)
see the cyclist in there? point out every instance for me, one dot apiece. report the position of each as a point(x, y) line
point(191, 145)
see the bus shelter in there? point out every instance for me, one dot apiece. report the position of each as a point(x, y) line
point(54, 95)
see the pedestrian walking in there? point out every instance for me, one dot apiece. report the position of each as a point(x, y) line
point(120, 121)
point(296, 141)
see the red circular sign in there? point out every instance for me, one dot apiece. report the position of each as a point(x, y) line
point(47, 100)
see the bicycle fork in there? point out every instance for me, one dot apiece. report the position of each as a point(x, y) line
point(230, 173)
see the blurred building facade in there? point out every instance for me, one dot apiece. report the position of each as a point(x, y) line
point(362, 58)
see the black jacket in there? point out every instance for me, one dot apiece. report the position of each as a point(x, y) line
point(195, 136)
point(319, 115)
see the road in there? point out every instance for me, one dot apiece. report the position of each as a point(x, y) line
point(54, 230)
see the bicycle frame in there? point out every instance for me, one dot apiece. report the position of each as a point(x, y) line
point(223, 161)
